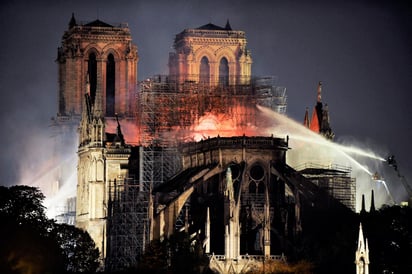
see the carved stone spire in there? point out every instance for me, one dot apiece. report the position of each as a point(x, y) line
point(362, 254)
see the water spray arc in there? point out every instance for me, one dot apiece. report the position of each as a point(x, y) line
point(392, 162)
point(379, 179)
point(308, 146)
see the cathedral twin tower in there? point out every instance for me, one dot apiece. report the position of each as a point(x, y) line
point(106, 55)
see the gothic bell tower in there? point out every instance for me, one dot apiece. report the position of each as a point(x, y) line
point(104, 52)
point(211, 55)
point(102, 158)
point(97, 70)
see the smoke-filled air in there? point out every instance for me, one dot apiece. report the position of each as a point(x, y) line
point(369, 168)
point(308, 148)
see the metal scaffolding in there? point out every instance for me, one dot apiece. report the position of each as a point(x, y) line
point(334, 179)
point(167, 111)
point(127, 224)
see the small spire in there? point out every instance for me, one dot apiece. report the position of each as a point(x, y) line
point(228, 27)
point(72, 22)
point(362, 254)
point(363, 205)
point(372, 209)
point(320, 91)
point(361, 243)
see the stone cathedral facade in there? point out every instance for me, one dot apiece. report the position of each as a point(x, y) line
point(98, 90)
point(211, 55)
point(106, 55)
point(97, 65)
point(239, 186)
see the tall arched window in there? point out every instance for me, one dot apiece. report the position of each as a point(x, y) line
point(92, 69)
point(204, 74)
point(110, 85)
point(224, 72)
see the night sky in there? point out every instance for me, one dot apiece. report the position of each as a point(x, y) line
point(361, 51)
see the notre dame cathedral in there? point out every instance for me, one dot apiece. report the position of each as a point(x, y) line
point(148, 167)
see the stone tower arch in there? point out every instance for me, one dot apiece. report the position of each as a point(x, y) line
point(232, 73)
point(204, 71)
point(194, 65)
point(216, 43)
point(103, 40)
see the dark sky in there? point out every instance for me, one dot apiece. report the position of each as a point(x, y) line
point(361, 51)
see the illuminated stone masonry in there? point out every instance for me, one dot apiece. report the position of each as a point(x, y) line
point(105, 55)
point(211, 54)
point(146, 166)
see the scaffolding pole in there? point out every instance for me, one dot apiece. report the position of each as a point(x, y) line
point(334, 179)
point(167, 111)
point(127, 217)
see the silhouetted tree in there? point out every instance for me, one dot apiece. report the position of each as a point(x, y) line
point(23, 205)
point(79, 250)
point(26, 245)
point(155, 258)
point(328, 239)
point(389, 234)
point(178, 254)
point(31, 243)
point(278, 267)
